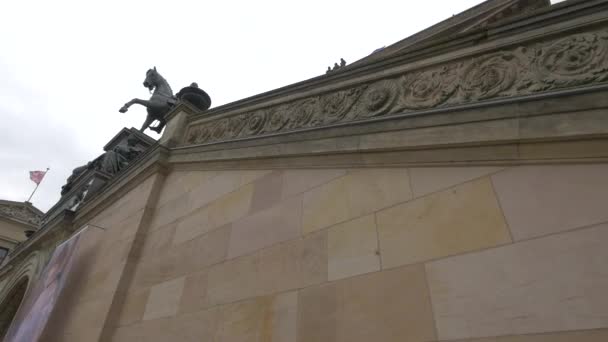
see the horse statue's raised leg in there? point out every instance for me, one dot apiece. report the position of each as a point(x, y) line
point(160, 103)
point(144, 103)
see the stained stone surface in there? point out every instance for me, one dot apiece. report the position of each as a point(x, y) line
point(555, 283)
point(353, 248)
point(163, 300)
point(564, 197)
point(358, 193)
point(457, 220)
point(386, 306)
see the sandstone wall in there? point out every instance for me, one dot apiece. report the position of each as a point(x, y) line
point(101, 261)
point(396, 254)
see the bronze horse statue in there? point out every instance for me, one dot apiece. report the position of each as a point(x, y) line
point(158, 105)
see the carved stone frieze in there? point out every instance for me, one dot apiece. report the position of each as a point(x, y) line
point(575, 60)
point(20, 212)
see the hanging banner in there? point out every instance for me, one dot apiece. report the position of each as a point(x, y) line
point(36, 308)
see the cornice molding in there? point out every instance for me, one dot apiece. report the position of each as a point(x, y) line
point(501, 131)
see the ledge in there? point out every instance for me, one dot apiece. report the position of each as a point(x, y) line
point(466, 134)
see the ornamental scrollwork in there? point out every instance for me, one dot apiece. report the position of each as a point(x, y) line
point(429, 88)
point(572, 61)
point(489, 76)
point(578, 59)
point(377, 99)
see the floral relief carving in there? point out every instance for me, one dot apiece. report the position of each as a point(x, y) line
point(302, 112)
point(429, 88)
point(575, 60)
point(377, 99)
point(489, 76)
point(278, 120)
point(335, 106)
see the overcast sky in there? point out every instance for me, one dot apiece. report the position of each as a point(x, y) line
point(66, 67)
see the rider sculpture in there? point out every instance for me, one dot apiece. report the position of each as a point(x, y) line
point(158, 105)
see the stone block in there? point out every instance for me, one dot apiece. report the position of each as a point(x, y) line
point(194, 327)
point(194, 296)
point(189, 257)
point(192, 225)
point(280, 223)
point(267, 191)
point(179, 182)
point(164, 298)
point(540, 200)
point(129, 227)
point(352, 248)
point(426, 180)
point(133, 307)
point(83, 322)
point(555, 283)
point(298, 181)
point(384, 306)
point(231, 207)
point(259, 320)
point(292, 265)
point(223, 183)
point(170, 212)
point(101, 282)
point(158, 241)
point(461, 219)
point(359, 193)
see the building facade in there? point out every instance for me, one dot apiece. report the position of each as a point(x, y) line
point(451, 188)
point(17, 220)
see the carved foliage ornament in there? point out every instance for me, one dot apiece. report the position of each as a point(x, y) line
point(571, 61)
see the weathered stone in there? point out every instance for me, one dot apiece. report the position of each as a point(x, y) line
point(163, 300)
point(283, 267)
point(426, 180)
point(259, 320)
point(540, 200)
point(555, 283)
point(352, 248)
point(133, 307)
point(462, 219)
point(298, 181)
point(194, 296)
point(265, 228)
point(267, 191)
point(358, 193)
point(384, 306)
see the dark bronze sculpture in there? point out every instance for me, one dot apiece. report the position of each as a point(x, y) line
point(120, 156)
point(75, 173)
point(336, 66)
point(158, 105)
point(110, 162)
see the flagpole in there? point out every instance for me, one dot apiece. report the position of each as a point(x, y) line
point(37, 185)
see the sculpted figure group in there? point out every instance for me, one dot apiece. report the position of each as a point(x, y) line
point(111, 162)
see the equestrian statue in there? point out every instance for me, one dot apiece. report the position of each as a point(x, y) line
point(158, 105)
